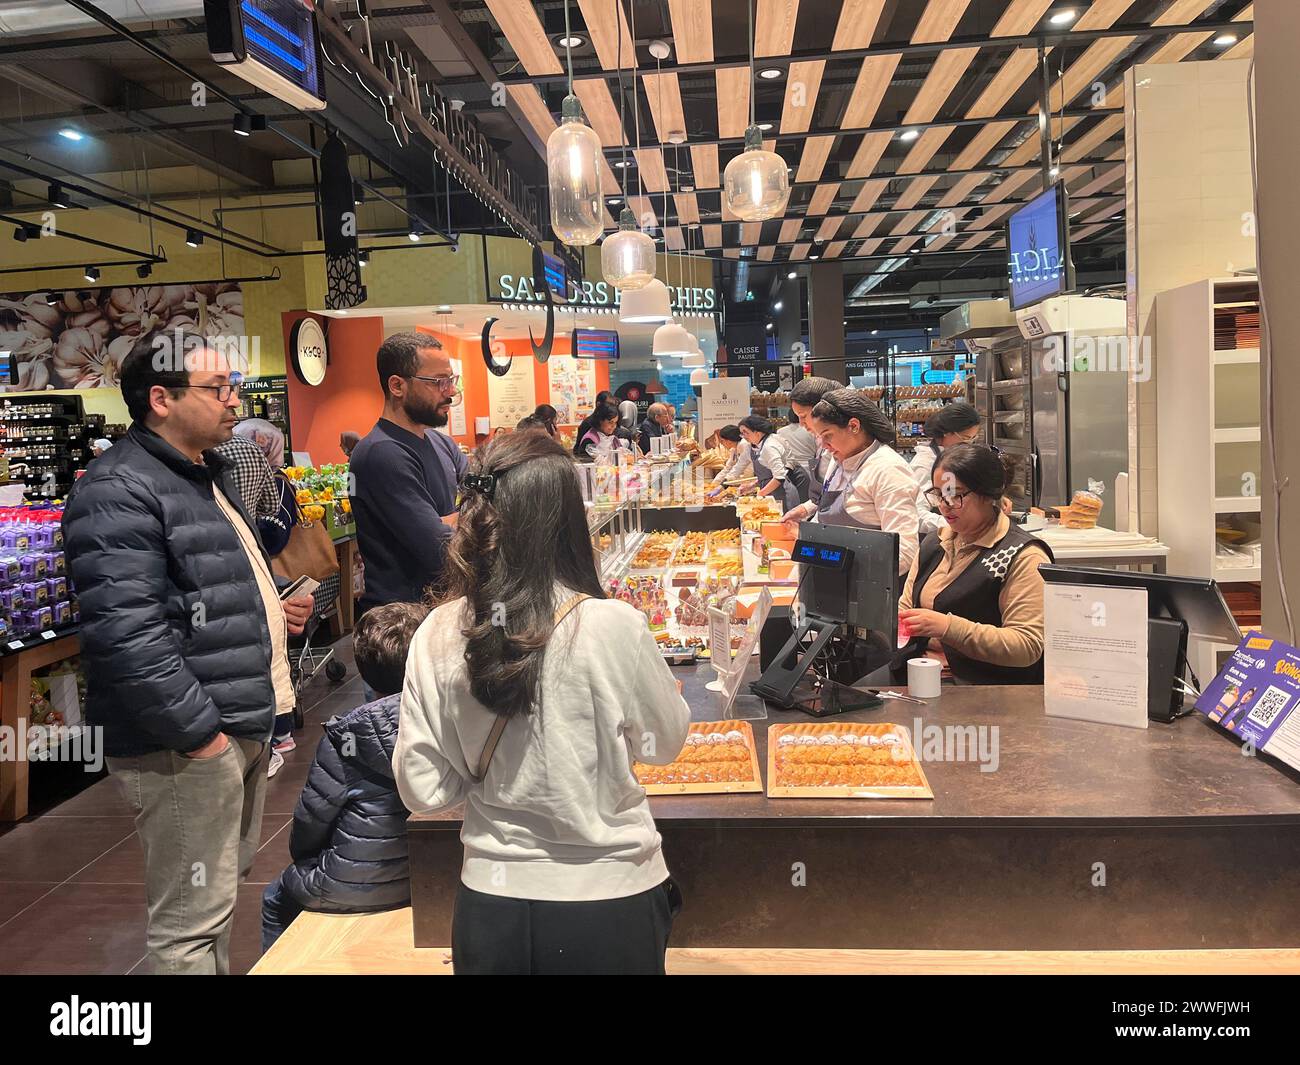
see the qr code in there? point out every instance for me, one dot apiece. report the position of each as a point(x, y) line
point(1268, 706)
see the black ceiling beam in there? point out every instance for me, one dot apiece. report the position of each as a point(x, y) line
point(787, 264)
point(1028, 40)
point(142, 256)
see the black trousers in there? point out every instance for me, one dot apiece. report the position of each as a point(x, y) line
point(492, 935)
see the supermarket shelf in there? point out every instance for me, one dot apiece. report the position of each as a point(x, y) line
point(1249, 434)
point(23, 643)
point(1238, 504)
point(1238, 357)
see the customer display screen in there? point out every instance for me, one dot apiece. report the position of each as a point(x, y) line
point(595, 344)
point(1038, 250)
point(281, 34)
point(821, 555)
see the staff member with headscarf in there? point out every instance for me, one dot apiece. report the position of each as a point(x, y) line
point(869, 485)
point(974, 591)
point(953, 424)
point(803, 397)
point(767, 456)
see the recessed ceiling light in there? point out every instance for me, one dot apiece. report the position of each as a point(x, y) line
point(72, 134)
point(1054, 171)
point(1225, 39)
point(813, 256)
point(620, 165)
point(613, 200)
point(908, 135)
point(571, 42)
point(791, 275)
point(769, 325)
point(1063, 18)
point(777, 306)
point(765, 126)
point(688, 188)
point(874, 332)
point(771, 73)
point(414, 236)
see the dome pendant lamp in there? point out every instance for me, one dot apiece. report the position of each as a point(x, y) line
point(573, 153)
point(646, 306)
point(755, 184)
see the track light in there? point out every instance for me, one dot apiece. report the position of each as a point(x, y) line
point(414, 236)
point(92, 273)
point(21, 234)
point(363, 258)
point(193, 238)
point(56, 195)
point(245, 125)
point(51, 299)
point(143, 270)
point(358, 194)
point(791, 275)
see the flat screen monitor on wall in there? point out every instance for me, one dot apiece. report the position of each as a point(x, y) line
point(1038, 249)
point(599, 344)
point(557, 276)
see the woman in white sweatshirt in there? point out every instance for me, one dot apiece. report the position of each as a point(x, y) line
point(534, 723)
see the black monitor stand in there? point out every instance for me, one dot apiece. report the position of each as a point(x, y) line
point(1166, 656)
point(785, 681)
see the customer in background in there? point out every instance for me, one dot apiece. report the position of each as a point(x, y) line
point(406, 473)
point(182, 641)
point(269, 500)
point(775, 476)
point(658, 422)
point(549, 418)
point(528, 694)
point(348, 841)
point(974, 591)
point(805, 395)
point(952, 424)
point(600, 440)
point(603, 399)
point(530, 421)
point(627, 427)
point(799, 445)
point(870, 485)
point(98, 447)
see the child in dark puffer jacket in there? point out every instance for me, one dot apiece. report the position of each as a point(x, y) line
point(348, 842)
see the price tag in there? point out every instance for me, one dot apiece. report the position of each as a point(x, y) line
point(48, 634)
point(15, 645)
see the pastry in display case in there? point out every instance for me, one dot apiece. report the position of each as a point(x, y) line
point(718, 756)
point(843, 759)
point(691, 549)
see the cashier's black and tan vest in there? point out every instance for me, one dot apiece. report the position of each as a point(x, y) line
point(973, 595)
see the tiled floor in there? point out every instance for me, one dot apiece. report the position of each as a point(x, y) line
point(72, 878)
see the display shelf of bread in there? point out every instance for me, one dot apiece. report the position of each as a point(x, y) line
point(843, 759)
point(717, 757)
point(754, 510)
point(656, 551)
point(1083, 511)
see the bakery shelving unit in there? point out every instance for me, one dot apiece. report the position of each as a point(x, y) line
point(1208, 428)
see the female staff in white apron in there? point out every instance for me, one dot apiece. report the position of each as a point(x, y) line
point(768, 459)
point(870, 484)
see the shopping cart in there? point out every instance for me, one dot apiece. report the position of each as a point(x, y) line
point(306, 658)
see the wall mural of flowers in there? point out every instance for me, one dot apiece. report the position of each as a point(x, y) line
point(81, 340)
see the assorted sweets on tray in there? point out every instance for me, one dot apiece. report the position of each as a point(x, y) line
point(656, 551)
point(691, 547)
point(718, 756)
point(754, 510)
point(843, 759)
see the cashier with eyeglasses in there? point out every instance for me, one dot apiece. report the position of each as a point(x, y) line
point(869, 485)
point(974, 591)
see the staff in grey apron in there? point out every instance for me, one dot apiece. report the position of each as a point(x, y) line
point(769, 461)
point(805, 395)
point(870, 485)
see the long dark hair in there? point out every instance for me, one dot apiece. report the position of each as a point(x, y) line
point(756, 423)
point(600, 414)
point(951, 418)
point(522, 530)
point(837, 407)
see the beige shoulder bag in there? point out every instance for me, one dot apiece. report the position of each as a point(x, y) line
point(499, 725)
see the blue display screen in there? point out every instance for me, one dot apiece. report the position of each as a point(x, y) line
point(557, 278)
point(1036, 260)
point(829, 556)
point(281, 34)
point(595, 344)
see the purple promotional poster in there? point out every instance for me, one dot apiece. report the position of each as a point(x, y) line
point(1256, 695)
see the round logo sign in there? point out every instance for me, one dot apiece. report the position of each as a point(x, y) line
point(309, 351)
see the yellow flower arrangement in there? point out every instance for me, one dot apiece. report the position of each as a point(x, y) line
point(325, 495)
point(346, 504)
point(303, 496)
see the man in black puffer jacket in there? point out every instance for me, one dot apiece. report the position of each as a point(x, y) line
point(183, 642)
point(349, 830)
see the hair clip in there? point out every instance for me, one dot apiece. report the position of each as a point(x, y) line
point(484, 484)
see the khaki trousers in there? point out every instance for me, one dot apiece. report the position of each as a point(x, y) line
point(199, 821)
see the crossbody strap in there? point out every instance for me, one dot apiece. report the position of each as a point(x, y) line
point(499, 725)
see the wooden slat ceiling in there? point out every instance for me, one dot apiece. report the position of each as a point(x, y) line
point(828, 108)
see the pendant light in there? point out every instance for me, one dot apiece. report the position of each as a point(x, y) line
point(627, 258)
point(756, 183)
point(573, 152)
point(646, 306)
point(671, 338)
point(698, 377)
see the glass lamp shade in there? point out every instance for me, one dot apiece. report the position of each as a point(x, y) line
point(756, 184)
point(627, 258)
point(648, 305)
point(572, 158)
point(672, 340)
point(698, 377)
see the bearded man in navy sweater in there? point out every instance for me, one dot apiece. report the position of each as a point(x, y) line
point(406, 474)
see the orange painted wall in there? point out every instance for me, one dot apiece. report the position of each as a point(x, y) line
point(350, 397)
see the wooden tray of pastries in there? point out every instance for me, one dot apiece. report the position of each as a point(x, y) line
point(844, 760)
point(718, 756)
